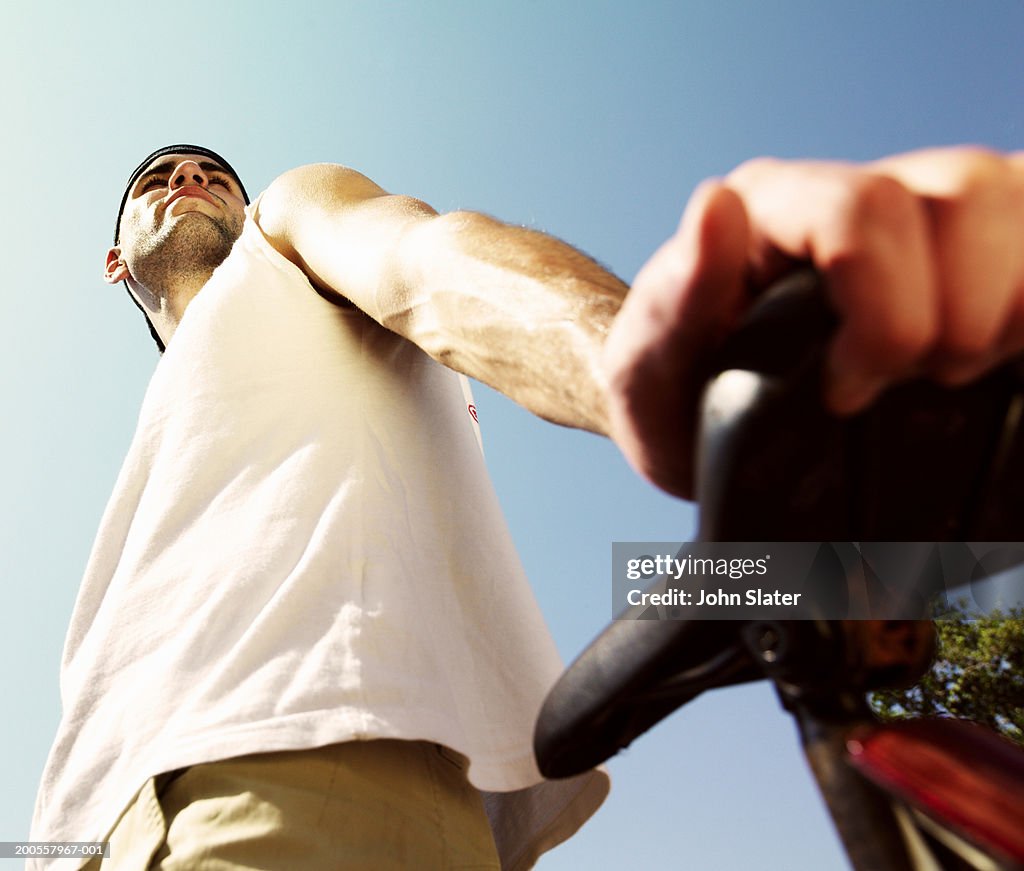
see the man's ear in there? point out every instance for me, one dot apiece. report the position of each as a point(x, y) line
point(116, 269)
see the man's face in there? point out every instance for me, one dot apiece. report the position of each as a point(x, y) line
point(182, 215)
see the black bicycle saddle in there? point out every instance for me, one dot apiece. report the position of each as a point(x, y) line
point(923, 463)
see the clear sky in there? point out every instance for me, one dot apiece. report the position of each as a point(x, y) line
point(590, 120)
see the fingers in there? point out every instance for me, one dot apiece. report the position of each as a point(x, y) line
point(921, 256)
point(976, 212)
point(977, 284)
point(683, 301)
point(875, 254)
point(869, 238)
point(878, 269)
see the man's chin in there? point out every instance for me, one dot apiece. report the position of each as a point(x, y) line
point(192, 242)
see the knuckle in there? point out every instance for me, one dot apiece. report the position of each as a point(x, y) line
point(880, 201)
point(981, 177)
point(982, 166)
point(876, 218)
point(753, 169)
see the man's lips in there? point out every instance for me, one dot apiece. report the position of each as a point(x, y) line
point(190, 190)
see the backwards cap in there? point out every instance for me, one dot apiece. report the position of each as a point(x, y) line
point(173, 149)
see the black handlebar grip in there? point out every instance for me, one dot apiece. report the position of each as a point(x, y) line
point(923, 463)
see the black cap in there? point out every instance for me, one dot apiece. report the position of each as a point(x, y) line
point(173, 149)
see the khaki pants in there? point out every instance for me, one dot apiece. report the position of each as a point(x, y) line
point(373, 805)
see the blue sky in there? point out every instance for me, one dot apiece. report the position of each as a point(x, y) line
point(590, 120)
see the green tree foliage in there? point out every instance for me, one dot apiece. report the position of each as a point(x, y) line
point(978, 674)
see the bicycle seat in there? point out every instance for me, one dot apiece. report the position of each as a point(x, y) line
point(924, 463)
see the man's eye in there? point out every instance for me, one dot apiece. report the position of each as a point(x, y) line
point(154, 181)
point(221, 180)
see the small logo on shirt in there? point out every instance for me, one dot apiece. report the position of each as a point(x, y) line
point(472, 411)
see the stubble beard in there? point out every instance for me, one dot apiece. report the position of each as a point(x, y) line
point(180, 257)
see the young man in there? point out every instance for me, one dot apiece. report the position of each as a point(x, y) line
point(303, 639)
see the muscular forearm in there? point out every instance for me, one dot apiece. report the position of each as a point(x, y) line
point(514, 308)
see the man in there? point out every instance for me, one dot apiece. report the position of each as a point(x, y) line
point(302, 631)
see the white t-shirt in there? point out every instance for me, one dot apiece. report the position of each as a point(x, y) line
point(303, 547)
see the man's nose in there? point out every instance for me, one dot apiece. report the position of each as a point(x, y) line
point(188, 172)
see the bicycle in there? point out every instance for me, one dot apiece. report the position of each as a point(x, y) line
point(925, 794)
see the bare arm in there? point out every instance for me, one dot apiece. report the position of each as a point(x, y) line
point(514, 308)
point(920, 253)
